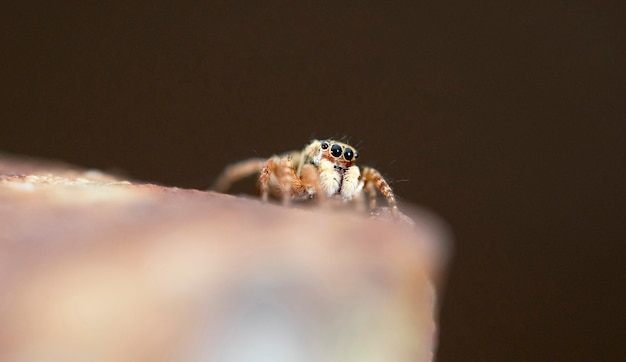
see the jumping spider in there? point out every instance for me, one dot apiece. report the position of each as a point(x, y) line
point(323, 169)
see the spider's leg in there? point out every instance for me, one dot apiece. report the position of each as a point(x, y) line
point(311, 180)
point(373, 175)
point(267, 170)
point(370, 188)
point(286, 178)
point(291, 185)
point(236, 172)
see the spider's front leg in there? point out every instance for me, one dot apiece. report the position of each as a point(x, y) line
point(279, 175)
point(372, 176)
point(267, 170)
point(370, 188)
point(311, 181)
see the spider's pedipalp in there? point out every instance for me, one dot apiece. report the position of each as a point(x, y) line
point(330, 179)
point(351, 184)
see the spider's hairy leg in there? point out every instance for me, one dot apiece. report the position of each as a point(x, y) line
point(279, 177)
point(370, 188)
point(311, 180)
point(294, 186)
point(371, 174)
point(236, 172)
point(268, 168)
point(286, 176)
point(307, 154)
point(295, 156)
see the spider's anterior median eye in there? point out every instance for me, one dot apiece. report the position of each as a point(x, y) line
point(324, 145)
point(335, 150)
point(348, 154)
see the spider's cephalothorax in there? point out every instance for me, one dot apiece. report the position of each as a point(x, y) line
point(323, 169)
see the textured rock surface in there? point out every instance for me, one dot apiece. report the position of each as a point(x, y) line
point(97, 269)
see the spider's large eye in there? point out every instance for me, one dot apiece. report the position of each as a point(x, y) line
point(348, 154)
point(335, 150)
point(324, 145)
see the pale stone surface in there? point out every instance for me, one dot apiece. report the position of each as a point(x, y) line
point(93, 268)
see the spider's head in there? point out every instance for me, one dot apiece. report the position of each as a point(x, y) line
point(340, 154)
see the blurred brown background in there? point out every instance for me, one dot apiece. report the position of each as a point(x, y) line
point(505, 119)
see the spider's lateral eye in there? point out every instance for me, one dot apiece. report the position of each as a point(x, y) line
point(348, 154)
point(324, 145)
point(356, 155)
point(336, 150)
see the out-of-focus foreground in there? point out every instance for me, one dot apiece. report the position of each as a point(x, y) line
point(97, 269)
